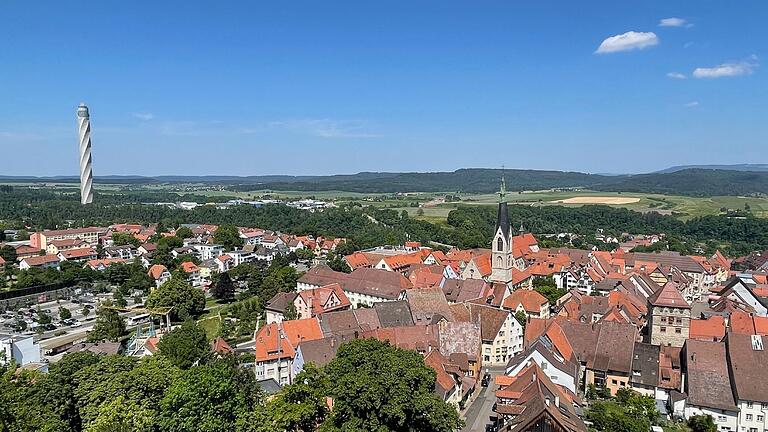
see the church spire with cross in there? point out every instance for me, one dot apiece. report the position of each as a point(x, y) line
point(501, 247)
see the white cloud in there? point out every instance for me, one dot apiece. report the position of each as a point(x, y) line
point(692, 104)
point(676, 75)
point(673, 22)
point(725, 70)
point(20, 136)
point(144, 116)
point(328, 128)
point(628, 41)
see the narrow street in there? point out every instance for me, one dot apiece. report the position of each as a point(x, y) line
point(478, 413)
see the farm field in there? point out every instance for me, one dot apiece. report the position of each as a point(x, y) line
point(683, 206)
point(433, 208)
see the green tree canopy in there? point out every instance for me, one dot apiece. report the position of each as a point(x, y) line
point(177, 293)
point(223, 288)
point(185, 345)
point(209, 398)
point(109, 325)
point(369, 373)
point(228, 235)
point(183, 232)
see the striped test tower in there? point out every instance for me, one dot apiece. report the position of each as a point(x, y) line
point(86, 171)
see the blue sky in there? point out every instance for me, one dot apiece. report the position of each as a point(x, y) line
point(322, 87)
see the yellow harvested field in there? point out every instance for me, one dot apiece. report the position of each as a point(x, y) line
point(598, 200)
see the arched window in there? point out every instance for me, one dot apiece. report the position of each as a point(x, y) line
point(499, 262)
point(500, 244)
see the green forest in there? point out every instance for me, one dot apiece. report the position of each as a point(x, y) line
point(211, 393)
point(466, 227)
point(689, 182)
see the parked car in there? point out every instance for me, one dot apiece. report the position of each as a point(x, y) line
point(486, 380)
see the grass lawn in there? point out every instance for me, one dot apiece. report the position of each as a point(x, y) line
point(210, 325)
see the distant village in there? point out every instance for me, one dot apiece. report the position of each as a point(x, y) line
point(688, 331)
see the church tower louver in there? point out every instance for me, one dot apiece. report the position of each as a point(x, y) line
point(502, 260)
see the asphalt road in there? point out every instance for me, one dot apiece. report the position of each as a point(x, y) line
point(477, 416)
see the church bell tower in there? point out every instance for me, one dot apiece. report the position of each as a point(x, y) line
point(502, 260)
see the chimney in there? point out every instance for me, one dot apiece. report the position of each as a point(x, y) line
point(557, 401)
point(547, 400)
point(533, 378)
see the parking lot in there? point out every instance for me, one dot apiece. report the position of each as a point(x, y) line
point(45, 321)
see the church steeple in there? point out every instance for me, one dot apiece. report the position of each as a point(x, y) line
point(501, 247)
point(502, 189)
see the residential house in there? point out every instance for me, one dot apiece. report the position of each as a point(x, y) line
point(531, 402)
point(276, 346)
point(56, 246)
point(40, 261)
point(193, 273)
point(748, 359)
point(208, 251)
point(83, 254)
point(502, 334)
point(530, 302)
point(744, 289)
point(103, 264)
point(316, 301)
point(708, 384)
point(560, 370)
point(277, 306)
point(448, 379)
point(126, 252)
point(159, 273)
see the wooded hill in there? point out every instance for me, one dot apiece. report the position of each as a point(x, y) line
point(689, 181)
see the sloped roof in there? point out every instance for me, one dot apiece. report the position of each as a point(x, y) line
point(668, 296)
point(394, 313)
point(427, 303)
point(490, 319)
point(156, 271)
point(280, 301)
point(708, 382)
point(458, 290)
point(749, 358)
point(41, 260)
point(712, 328)
point(532, 301)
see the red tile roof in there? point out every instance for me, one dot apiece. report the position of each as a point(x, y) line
point(189, 267)
point(531, 301)
point(319, 298)
point(78, 253)
point(668, 296)
point(156, 271)
point(356, 260)
point(712, 329)
point(41, 260)
point(294, 332)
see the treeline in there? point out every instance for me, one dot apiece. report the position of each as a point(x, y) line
point(693, 182)
point(467, 226)
point(471, 180)
point(736, 236)
point(374, 386)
